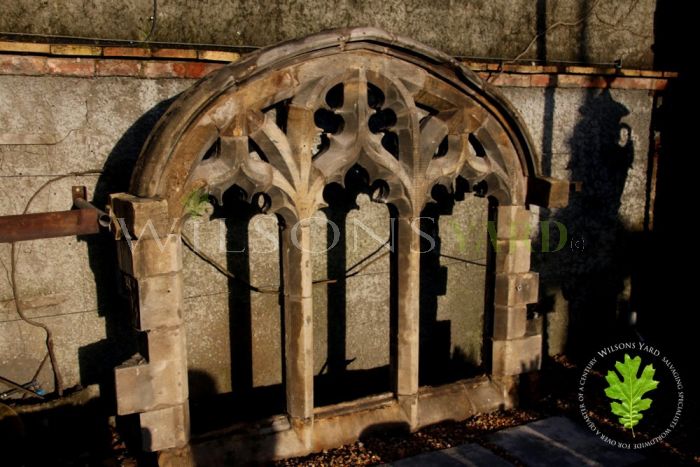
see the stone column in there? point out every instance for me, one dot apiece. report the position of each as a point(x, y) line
point(514, 350)
point(153, 383)
point(408, 247)
point(298, 324)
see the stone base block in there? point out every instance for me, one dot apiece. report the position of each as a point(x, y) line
point(512, 256)
point(548, 192)
point(516, 289)
point(142, 217)
point(509, 322)
point(409, 406)
point(150, 257)
point(150, 386)
point(165, 428)
point(159, 300)
point(516, 356)
point(513, 223)
point(167, 344)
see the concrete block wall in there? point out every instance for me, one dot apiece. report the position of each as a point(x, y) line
point(52, 126)
point(599, 31)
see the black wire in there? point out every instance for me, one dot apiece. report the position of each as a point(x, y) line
point(154, 19)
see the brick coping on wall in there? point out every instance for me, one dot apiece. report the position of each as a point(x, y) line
point(88, 61)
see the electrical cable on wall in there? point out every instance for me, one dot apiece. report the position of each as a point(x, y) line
point(58, 378)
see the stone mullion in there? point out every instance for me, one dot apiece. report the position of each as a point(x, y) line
point(408, 250)
point(298, 324)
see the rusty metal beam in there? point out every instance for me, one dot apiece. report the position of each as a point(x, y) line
point(48, 225)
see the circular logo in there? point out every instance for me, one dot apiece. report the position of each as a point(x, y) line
point(630, 395)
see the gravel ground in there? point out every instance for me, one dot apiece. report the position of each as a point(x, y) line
point(554, 393)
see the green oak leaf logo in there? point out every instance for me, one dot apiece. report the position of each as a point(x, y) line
point(630, 390)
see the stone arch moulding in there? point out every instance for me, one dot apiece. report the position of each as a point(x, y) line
point(412, 117)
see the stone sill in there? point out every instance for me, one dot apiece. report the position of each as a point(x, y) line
point(88, 61)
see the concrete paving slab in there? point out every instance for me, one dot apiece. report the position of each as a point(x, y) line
point(554, 441)
point(469, 454)
point(561, 442)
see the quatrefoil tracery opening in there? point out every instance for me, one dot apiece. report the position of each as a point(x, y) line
point(409, 144)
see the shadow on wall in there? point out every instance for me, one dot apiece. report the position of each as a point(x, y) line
point(335, 382)
point(438, 363)
point(97, 360)
point(211, 410)
point(594, 267)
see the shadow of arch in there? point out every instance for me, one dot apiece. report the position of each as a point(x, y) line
point(97, 360)
point(336, 382)
point(441, 360)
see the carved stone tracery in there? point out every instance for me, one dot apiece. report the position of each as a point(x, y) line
point(287, 121)
point(439, 133)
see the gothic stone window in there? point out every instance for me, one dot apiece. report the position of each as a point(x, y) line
point(283, 124)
